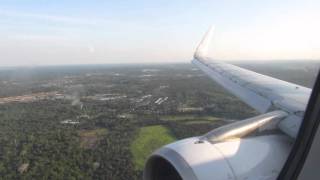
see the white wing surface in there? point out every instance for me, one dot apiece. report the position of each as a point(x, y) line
point(261, 92)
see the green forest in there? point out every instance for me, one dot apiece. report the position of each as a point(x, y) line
point(102, 122)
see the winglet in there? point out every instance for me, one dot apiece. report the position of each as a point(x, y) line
point(203, 47)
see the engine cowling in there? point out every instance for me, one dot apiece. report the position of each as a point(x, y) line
point(260, 157)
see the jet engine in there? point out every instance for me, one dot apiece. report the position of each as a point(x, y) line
point(240, 151)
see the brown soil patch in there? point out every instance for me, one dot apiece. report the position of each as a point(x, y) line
point(90, 138)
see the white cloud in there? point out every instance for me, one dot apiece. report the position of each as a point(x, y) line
point(288, 36)
point(55, 18)
point(91, 49)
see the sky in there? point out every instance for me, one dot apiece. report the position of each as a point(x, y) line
point(46, 32)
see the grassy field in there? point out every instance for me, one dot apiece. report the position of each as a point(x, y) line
point(147, 140)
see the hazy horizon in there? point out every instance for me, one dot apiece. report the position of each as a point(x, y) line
point(272, 61)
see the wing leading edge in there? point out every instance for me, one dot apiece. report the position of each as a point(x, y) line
point(261, 92)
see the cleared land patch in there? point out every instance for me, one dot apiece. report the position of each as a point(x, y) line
point(90, 138)
point(148, 140)
point(189, 117)
point(198, 122)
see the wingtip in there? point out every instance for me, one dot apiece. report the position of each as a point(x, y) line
point(203, 47)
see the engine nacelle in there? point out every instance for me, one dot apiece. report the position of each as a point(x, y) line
point(251, 158)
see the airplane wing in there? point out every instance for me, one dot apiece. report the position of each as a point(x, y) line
point(229, 152)
point(261, 92)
